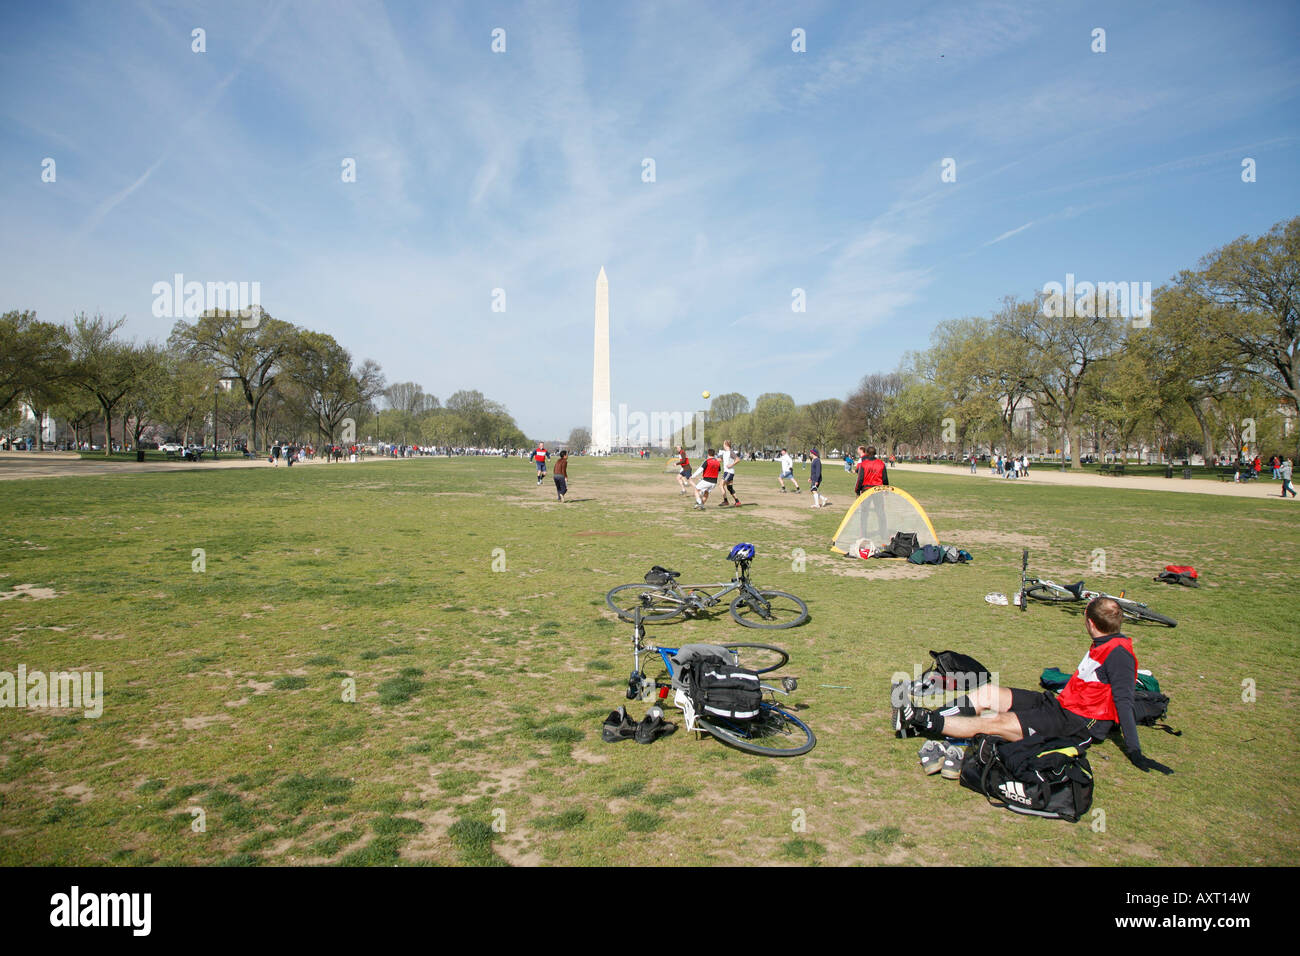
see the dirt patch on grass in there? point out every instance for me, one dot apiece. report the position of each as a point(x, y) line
point(29, 591)
point(988, 536)
point(204, 721)
point(879, 570)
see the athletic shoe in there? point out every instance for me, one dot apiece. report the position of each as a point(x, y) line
point(932, 754)
point(618, 726)
point(722, 503)
point(900, 710)
point(698, 506)
point(783, 489)
point(953, 756)
point(653, 727)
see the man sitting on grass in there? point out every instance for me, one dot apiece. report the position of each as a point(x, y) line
point(1098, 694)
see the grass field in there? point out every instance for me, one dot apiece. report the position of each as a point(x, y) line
point(475, 734)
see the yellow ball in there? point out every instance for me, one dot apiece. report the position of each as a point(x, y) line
point(706, 394)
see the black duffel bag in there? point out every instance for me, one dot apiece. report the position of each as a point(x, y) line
point(1042, 777)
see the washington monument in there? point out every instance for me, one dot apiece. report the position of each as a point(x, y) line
point(600, 422)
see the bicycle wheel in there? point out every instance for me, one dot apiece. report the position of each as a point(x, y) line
point(772, 610)
point(759, 658)
point(655, 605)
point(1140, 612)
point(774, 733)
point(1041, 592)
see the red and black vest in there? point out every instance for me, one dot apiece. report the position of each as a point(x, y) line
point(1088, 695)
point(711, 468)
point(873, 472)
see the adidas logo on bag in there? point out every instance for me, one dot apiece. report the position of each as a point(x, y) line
point(1014, 790)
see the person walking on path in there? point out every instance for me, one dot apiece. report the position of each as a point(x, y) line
point(972, 463)
point(1285, 472)
point(562, 476)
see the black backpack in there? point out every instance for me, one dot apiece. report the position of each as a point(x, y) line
point(1042, 777)
point(902, 544)
point(958, 669)
point(719, 689)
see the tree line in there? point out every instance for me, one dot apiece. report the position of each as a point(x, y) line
point(1212, 366)
point(259, 379)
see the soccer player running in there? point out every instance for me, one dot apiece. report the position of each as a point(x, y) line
point(787, 471)
point(815, 480)
point(708, 473)
point(729, 460)
point(683, 466)
point(540, 454)
point(1098, 695)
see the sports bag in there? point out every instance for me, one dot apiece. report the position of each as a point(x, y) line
point(1177, 577)
point(901, 545)
point(951, 671)
point(1035, 776)
point(719, 689)
point(927, 554)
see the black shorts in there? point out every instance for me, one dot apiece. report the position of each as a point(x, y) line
point(1040, 713)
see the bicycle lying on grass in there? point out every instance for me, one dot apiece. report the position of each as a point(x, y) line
point(1049, 592)
point(660, 597)
point(774, 732)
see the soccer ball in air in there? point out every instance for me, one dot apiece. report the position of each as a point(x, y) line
point(705, 394)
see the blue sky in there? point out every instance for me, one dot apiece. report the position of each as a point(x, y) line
point(522, 170)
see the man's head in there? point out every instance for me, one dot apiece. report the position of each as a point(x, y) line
point(814, 453)
point(727, 444)
point(871, 451)
point(1105, 616)
point(711, 453)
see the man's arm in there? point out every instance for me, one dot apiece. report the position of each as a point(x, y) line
point(884, 474)
point(1118, 672)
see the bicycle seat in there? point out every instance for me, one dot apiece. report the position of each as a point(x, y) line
point(658, 575)
point(1076, 589)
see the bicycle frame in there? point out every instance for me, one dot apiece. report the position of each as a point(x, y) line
point(698, 597)
point(647, 689)
point(1083, 594)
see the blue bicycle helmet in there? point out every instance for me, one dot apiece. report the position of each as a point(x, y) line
point(741, 552)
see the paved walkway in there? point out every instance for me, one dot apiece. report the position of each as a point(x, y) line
point(1052, 475)
point(60, 464)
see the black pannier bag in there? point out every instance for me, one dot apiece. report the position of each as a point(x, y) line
point(722, 690)
point(1042, 777)
point(902, 544)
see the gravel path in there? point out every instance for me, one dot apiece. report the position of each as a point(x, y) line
point(1052, 475)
